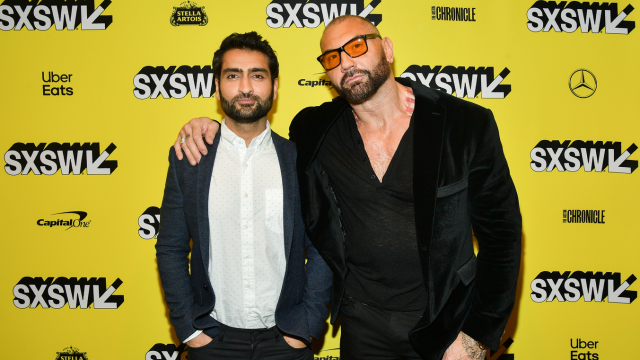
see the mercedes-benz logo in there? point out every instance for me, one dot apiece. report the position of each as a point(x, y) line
point(583, 83)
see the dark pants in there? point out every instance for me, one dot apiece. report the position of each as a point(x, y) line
point(249, 344)
point(371, 333)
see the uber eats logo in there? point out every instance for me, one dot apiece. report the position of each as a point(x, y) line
point(55, 293)
point(21, 159)
point(60, 14)
point(149, 223)
point(167, 352)
point(174, 82)
point(469, 82)
point(572, 156)
point(573, 16)
point(312, 13)
point(568, 286)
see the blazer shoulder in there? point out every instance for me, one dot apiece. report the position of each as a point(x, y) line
point(315, 114)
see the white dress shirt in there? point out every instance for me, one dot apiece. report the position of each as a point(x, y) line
point(247, 257)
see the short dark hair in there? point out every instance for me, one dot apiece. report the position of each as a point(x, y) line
point(248, 41)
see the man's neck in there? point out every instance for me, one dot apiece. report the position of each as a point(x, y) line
point(246, 131)
point(388, 103)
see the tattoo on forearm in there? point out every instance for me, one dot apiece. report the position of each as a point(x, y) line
point(471, 348)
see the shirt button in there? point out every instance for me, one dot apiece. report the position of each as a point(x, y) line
point(358, 142)
point(246, 195)
point(246, 165)
point(373, 177)
point(363, 158)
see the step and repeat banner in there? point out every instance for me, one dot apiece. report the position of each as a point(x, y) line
point(93, 94)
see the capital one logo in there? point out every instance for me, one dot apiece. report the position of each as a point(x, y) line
point(469, 82)
point(300, 13)
point(21, 159)
point(572, 156)
point(60, 14)
point(167, 352)
point(78, 293)
point(571, 287)
point(595, 17)
point(174, 82)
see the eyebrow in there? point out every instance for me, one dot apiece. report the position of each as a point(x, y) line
point(251, 70)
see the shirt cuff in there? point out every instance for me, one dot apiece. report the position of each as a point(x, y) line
point(198, 332)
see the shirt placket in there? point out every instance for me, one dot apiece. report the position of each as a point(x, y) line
point(248, 263)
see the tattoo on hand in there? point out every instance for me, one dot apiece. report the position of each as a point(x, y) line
point(471, 348)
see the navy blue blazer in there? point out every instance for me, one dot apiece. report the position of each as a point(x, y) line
point(302, 305)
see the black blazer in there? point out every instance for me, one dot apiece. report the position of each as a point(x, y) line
point(461, 182)
point(302, 305)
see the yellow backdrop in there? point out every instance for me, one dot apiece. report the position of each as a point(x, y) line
point(86, 133)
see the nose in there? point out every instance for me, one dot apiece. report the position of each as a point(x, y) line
point(245, 85)
point(346, 61)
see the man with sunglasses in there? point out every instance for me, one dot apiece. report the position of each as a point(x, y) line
point(393, 178)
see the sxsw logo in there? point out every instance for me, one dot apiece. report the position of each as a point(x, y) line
point(167, 352)
point(78, 293)
point(469, 82)
point(21, 159)
point(300, 13)
point(174, 82)
point(60, 14)
point(549, 286)
point(149, 223)
point(595, 17)
point(571, 156)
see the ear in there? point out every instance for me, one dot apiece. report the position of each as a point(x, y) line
point(387, 45)
point(217, 89)
point(275, 88)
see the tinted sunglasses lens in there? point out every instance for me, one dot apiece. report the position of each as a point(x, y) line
point(356, 47)
point(330, 60)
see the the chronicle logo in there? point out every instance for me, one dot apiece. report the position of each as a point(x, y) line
point(311, 14)
point(573, 155)
point(21, 159)
point(149, 223)
point(595, 17)
point(67, 222)
point(166, 352)
point(446, 13)
point(583, 216)
point(189, 13)
point(78, 293)
point(568, 286)
point(174, 82)
point(72, 353)
point(61, 14)
point(469, 82)
point(583, 83)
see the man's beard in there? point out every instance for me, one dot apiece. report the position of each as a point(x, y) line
point(245, 113)
point(362, 90)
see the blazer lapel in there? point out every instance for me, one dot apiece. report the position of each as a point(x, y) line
point(427, 149)
point(323, 117)
point(288, 173)
point(205, 172)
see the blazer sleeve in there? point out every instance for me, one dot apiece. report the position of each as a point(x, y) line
point(317, 290)
point(497, 225)
point(172, 251)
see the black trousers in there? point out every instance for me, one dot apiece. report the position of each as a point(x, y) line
point(370, 333)
point(249, 344)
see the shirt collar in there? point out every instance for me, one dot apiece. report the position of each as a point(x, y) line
point(257, 144)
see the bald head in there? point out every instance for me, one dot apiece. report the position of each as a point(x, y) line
point(349, 21)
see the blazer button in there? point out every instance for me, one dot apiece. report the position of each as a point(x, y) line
point(205, 286)
point(421, 247)
point(322, 172)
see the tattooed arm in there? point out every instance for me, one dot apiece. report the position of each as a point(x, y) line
point(464, 348)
